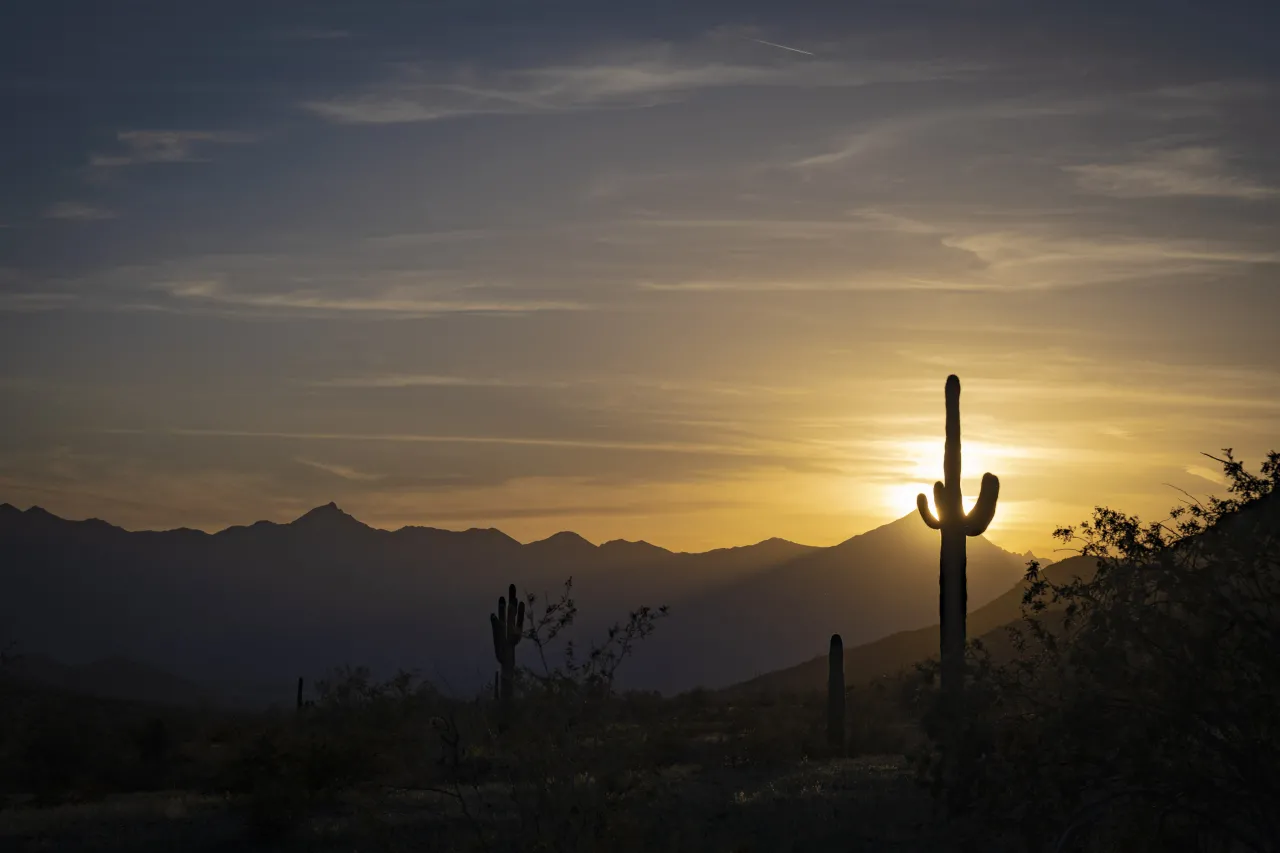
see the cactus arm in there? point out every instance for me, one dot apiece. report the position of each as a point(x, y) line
point(514, 617)
point(985, 509)
point(942, 500)
point(497, 635)
point(922, 504)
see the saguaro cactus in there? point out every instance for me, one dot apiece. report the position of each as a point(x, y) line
point(299, 705)
point(835, 695)
point(955, 526)
point(508, 626)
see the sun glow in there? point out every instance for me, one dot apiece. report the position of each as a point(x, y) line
point(922, 467)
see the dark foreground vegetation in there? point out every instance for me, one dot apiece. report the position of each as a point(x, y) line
point(1134, 709)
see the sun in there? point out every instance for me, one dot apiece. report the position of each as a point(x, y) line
point(922, 467)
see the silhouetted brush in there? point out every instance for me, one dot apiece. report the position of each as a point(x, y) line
point(835, 695)
point(955, 526)
point(508, 627)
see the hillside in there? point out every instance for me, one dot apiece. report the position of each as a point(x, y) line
point(108, 678)
point(896, 652)
point(265, 603)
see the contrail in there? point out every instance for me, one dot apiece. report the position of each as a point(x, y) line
point(784, 47)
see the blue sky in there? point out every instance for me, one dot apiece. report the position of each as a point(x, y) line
point(686, 272)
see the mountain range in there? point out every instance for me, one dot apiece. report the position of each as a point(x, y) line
point(265, 603)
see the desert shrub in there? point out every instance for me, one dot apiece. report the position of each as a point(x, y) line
point(575, 761)
point(1139, 711)
point(57, 747)
point(358, 733)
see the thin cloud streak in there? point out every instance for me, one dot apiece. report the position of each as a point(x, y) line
point(166, 146)
point(644, 76)
point(342, 471)
point(1193, 171)
point(77, 211)
point(411, 438)
point(397, 304)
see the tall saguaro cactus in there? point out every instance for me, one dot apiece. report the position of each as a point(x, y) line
point(508, 627)
point(955, 526)
point(835, 695)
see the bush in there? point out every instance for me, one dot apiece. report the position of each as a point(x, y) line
point(1139, 709)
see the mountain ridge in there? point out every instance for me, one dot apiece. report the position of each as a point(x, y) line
point(268, 602)
point(330, 513)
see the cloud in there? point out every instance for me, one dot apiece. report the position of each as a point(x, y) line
point(640, 77)
point(1189, 171)
point(1026, 259)
point(1007, 250)
point(1195, 101)
point(166, 146)
point(879, 136)
point(513, 441)
point(342, 471)
point(1204, 473)
point(399, 302)
point(77, 211)
point(433, 381)
point(34, 301)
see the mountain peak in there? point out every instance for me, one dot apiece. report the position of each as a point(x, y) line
point(329, 515)
point(564, 539)
point(636, 548)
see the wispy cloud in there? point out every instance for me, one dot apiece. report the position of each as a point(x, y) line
point(396, 302)
point(166, 146)
point(35, 301)
point(1189, 171)
point(1025, 259)
point(709, 449)
point(343, 471)
point(434, 381)
point(1008, 250)
point(1199, 101)
point(78, 211)
point(643, 76)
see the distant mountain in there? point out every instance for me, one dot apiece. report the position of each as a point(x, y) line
point(901, 650)
point(265, 603)
point(108, 678)
point(874, 584)
point(896, 652)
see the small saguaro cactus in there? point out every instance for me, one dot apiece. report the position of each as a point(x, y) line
point(508, 627)
point(835, 695)
point(299, 706)
point(955, 526)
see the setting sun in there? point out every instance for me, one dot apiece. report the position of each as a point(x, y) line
point(923, 462)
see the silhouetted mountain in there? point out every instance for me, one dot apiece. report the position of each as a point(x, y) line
point(108, 678)
point(901, 650)
point(869, 586)
point(265, 603)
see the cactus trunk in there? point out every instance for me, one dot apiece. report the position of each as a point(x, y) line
point(835, 696)
point(952, 605)
point(955, 526)
point(299, 706)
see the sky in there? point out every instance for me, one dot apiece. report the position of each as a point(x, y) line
point(693, 273)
